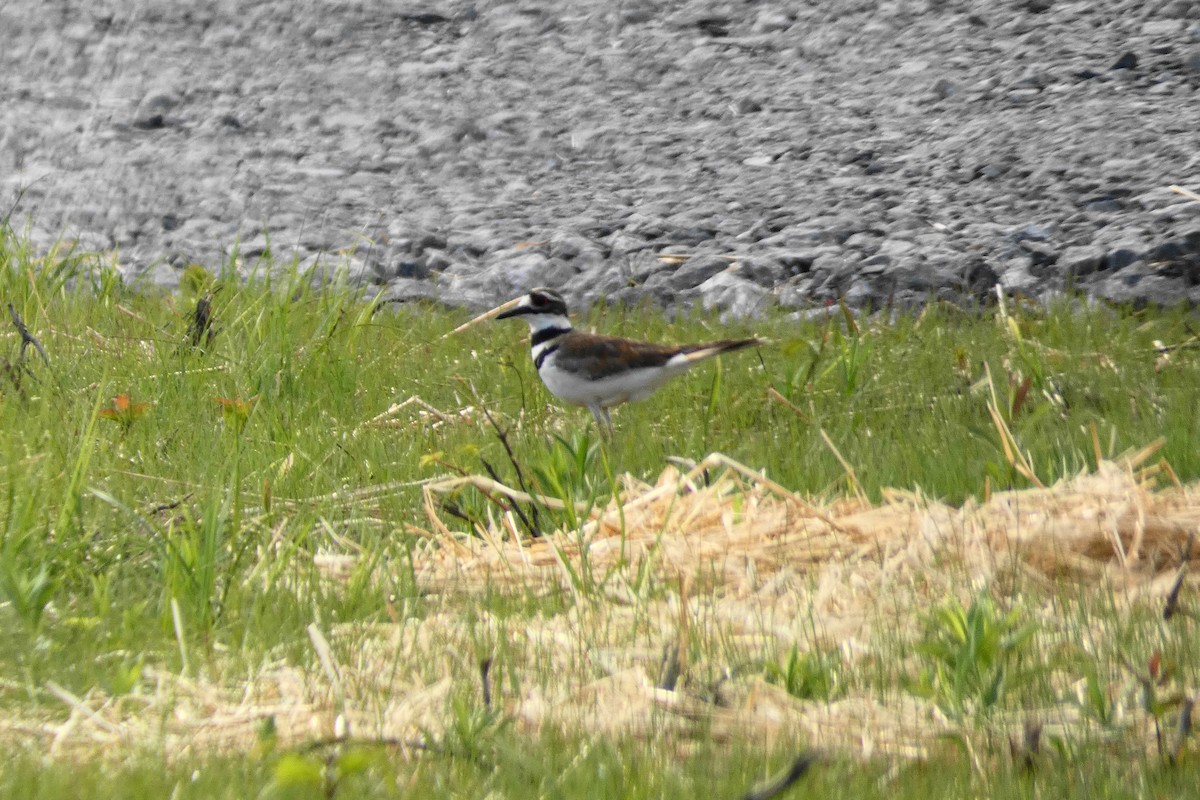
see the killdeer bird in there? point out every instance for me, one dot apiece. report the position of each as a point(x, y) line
point(599, 371)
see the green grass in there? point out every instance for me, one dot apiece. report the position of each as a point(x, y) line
point(175, 534)
point(557, 768)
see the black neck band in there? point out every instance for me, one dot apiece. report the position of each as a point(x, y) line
point(547, 334)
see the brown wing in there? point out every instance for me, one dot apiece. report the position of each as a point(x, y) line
point(609, 355)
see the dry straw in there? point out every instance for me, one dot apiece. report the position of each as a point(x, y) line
point(726, 525)
point(683, 588)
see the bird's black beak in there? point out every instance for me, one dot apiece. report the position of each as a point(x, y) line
point(512, 312)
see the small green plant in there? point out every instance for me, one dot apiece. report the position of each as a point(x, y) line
point(972, 655)
point(570, 470)
point(810, 675)
point(849, 361)
point(28, 591)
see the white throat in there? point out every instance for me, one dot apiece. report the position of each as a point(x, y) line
point(543, 322)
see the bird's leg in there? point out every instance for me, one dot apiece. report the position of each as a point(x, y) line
point(607, 422)
point(603, 420)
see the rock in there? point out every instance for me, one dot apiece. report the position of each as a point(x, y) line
point(427, 240)
point(436, 260)
point(747, 105)
point(407, 290)
point(1081, 261)
point(978, 278)
point(943, 89)
point(517, 272)
point(410, 267)
point(1104, 205)
point(796, 293)
point(734, 296)
point(1137, 286)
point(765, 271)
point(153, 109)
point(1041, 253)
point(895, 248)
point(1016, 276)
point(771, 21)
point(574, 247)
point(1033, 233)
point(1179, 257)
point(1162, 27)
point(161, 276)
point(325, 269)
point(695, 271)
point(798, 261)
point(1126, 61)
point(1191, 59)
point(1123, 255)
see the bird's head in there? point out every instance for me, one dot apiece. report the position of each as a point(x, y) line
point(541, 308)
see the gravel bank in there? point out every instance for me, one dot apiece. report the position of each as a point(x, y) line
point(797, 152)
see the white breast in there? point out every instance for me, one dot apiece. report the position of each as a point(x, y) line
point(623, 387)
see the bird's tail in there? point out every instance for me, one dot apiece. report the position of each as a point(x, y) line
point(699, 352)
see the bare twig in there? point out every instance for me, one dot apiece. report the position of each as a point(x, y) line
point(383, 741)
point(671, 669)
point(11, 209)
point(851, 475)
point(1171, 607)
point(27, 338)
point(1027, 749)
point(1184, 730)
point(485, 670)
point(530, 526)
point(534, 528)
point(775, 395)
point(795, 772)
point(174, 504)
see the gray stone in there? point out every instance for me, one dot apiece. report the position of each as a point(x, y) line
point(1122, 255)
point(735, 297)
point(1127, 60)
point(154, 109)
point(943, 89)
point(161, 276)
point(1191, 59)
point(695, 271)
point(407, 290)
point(326, 269)
point(766, 271)
point(1162, 27)
point(796, 293)
point(437, 260)
point(1042, 253)
point(894, 248)
point(1016, 275)
point(518, 272)
point(1081, 261)
point(860, 293)
point(771, 21)
point(1136, 286)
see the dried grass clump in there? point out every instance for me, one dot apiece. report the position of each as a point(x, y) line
point(739, 529)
